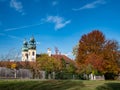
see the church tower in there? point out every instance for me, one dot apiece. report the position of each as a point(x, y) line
point(25, 51)
point(32, 49)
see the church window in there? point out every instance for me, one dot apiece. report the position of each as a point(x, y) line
point(26, 56)
point(33, 53)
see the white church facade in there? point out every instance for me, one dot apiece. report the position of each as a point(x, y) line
point(29, 50)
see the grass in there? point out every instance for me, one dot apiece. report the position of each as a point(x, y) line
point(58, 85)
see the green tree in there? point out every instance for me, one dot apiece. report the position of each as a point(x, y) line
point(75, 50)
point(47, 63)
point(63, 64)
point(71, 68)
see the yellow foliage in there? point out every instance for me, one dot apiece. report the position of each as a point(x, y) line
point(13, 66)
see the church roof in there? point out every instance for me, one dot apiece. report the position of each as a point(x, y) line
point(32, 39)
point(30, 45)
point(25, 42)
point(25, 45)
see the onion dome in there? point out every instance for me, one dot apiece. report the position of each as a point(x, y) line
point(32, 40)
point(32, 44)
point(25, 42)
point(25, 46)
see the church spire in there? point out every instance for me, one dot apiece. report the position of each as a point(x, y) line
point(25, 45)
point(32, 43)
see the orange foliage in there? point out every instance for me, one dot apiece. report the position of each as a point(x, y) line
point(102, 54)
point(96, 61)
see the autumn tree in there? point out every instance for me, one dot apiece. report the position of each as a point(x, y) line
point(102, 54)
point(48, 64)
point(35, 69)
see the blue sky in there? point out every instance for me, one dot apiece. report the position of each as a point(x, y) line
point(55, 23)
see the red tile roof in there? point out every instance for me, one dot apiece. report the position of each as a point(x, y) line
point(67, 59)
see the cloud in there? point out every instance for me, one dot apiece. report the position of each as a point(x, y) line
point(67, 54)
point(17, 5)
point(91, 5)
point(54, 3)
point(17, 28)
point(59, 22)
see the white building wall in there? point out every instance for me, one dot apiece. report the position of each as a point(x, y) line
point(24, 57)
point(31, 56)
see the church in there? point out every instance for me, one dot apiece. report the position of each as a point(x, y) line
point(29, 50)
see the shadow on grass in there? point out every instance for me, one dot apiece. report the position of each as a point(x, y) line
point(42, 85)
point(109, 86)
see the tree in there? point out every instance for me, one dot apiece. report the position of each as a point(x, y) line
point(63, 64)
point(75, 50)
point(96, 61)
point(35, 69)
point(71, 68)
point(49, 64)
point(102, 54)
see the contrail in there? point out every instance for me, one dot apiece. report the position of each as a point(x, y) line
point(27, 26)
point(14, 37)
point(10, 36)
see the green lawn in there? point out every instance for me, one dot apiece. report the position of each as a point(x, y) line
point(58, 85)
